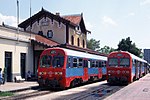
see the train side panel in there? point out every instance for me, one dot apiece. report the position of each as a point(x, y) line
point(64, 68)
point(124, 67)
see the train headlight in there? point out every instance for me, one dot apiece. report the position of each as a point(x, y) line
point(127, 72)
point(44, 73)
point(123, 72)
point(40, 73)
point(39, 77)
point(58, 73)
point(109, 71)
point(118, 72)
point(113, 71)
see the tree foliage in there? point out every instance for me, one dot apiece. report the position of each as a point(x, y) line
point(106, 49)
point(127, 45)
point(93, 44)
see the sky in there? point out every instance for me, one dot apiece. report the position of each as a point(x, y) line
point(109, 21)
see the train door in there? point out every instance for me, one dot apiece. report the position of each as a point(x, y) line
point(137, 69)
point(140, 69)
point(145, 68)
point(133, 70)
point(85, 69)
point(103, 66)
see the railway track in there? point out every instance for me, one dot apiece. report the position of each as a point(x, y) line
point(97, 92)
point(27, 94)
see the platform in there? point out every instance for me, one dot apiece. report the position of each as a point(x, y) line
point(14, 87)
point(138, 90)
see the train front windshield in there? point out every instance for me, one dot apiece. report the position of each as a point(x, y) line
point(55, 61)
point(113, 62)
point(45, 61)
point(58, 61)
point(124, 62)
point(119, 62)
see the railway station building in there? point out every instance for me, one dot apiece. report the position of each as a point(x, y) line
point(16, 52)
point(21, 48)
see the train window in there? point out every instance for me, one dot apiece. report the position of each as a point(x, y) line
point(85, 63)
point(104, 63)
point(93, 63)
point(58, 61)
point(89, 64)
point(45, 61)
point(74, 62)
point(69, 62)
point(113, 62)
point(124, 62)
point(80, 62)
point(133, 62)
point(97, 64)
point(100, 64)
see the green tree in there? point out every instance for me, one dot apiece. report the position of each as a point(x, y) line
point(126, 45)
point(106, 49)
point(93, 44)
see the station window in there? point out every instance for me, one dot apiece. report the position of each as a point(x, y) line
point(78, 42)
point(83, 44)
point(72, 40)
point(49, 33)
point(40, 33)
point(59, 24)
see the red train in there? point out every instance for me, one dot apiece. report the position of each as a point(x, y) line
point(59, 67)
point(124, 67)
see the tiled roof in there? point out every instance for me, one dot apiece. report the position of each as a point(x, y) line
point(45, 41)
point(76, 19)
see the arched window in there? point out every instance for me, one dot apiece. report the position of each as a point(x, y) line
point(78, 42)
point(83, 44)
point(72, 40)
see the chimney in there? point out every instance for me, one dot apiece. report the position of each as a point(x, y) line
point(57, 13)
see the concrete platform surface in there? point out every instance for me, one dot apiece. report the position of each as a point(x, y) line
point(13, 87)
point(138, 90)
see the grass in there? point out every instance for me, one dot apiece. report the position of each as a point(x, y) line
point(3, 94)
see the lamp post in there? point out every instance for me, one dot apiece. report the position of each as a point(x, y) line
point(17, 20)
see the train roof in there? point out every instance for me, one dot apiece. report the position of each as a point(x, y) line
point(132, 56)
point(83, 54)
point(137, 58)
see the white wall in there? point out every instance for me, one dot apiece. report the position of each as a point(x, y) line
point(9, 43)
